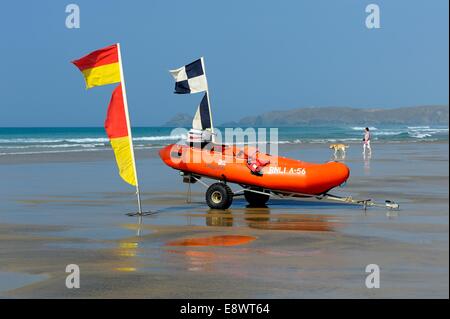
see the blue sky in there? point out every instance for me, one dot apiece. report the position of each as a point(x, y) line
point(260, 56)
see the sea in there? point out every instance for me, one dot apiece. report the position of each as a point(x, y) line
point(28, 140)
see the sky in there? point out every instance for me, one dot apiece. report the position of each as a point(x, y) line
point(259, 55)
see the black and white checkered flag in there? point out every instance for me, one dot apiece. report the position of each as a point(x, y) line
point(190, 78)
point(202, 118)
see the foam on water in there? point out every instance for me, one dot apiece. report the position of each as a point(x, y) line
point(360, 128)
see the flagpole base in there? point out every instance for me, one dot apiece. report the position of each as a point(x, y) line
point(149, 213)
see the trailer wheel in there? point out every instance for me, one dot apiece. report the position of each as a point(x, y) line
point(256, 199)
point(219, 196)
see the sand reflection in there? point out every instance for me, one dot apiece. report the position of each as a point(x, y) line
point(198, 260)
point(261, 218)
point(367, 158)
point(299, 222)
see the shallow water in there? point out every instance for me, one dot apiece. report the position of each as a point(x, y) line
point(13, 280)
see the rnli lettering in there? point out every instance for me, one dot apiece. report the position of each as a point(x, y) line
point(287, 170)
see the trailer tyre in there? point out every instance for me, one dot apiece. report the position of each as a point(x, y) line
point(219, 196)
point(256, 199)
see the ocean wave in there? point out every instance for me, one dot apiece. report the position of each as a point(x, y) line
point(84, 140)
point(431, 130)
point(420, 135)
point(418, 127)
point(388, 133)
point(319, 140)
point(160, 138)
point(87, 140)
point(29, 140)
point(52, 146)
point(360, 128)
point(331, 140)
point(139, 147)
point(410, 131)
point(421, 132)
point(49, 152)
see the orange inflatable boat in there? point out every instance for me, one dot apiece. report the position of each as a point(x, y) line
point(258, 174)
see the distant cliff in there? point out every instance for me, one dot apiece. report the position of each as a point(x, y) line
point(180, 120)
point(418, 115)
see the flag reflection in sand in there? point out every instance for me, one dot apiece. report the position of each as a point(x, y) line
point(128, 250)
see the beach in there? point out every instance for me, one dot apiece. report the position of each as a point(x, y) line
point(70, 208)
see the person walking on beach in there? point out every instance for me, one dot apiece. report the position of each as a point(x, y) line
point(366, 141)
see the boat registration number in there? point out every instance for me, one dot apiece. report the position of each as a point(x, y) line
point(286, 170)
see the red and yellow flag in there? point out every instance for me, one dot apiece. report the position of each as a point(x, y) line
point(116, 127)
point(100, 67)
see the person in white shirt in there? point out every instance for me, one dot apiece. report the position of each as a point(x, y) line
point(366, 141)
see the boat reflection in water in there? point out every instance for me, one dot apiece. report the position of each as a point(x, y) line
point(223, 240)
point(261, 218)
point(213, 253)
point(209, 259)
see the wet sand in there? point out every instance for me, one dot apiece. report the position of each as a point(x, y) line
point(65, 209)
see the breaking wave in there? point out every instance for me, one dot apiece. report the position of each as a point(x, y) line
point(360, 128)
